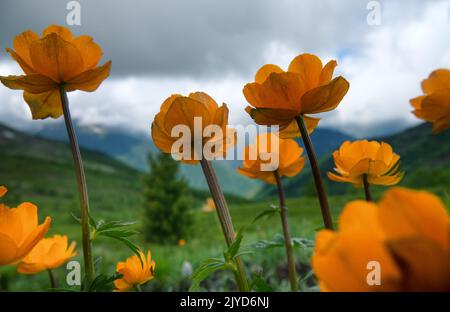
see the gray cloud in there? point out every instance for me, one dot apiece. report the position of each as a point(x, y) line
point(196, 37)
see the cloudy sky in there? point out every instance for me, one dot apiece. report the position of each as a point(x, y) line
point(160, 47)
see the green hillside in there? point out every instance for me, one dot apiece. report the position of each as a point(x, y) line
point(425, 158)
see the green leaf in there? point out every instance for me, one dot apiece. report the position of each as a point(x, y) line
point(267, 214)
point(259, 284)
point(103, 283)
point(206, 268)
point(234, 247)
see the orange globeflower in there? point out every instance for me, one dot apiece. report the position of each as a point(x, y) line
point(405, 236)
point(50, 253)
point(19, 230)
point(209, 205)
point(288, 153)
point(434, 106)
point(180, 110)
point(278, 97)
point(134, 272)
point(57, 58)
point(375, 161)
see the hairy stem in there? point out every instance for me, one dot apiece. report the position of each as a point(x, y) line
point(225, 219)
point(82, 189)
point(324, 207)
point(286, 233)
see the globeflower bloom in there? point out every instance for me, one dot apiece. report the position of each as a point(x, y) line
point(56, 59)
point(371, 160)
point(434, 105)
point(406, 234)
point(134, 272)
point(50, 253)
point(185, 111)
point(19, 230)
point(278, 97)
point(288, 156)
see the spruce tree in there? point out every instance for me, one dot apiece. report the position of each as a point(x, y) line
point(167, 202)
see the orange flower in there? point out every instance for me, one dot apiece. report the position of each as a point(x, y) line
point(57, 58)
point(181, 242)
point(49, 253)
point(209, 205)
point(19, 231)
point(278, 97)
point(134, 272)
point(375, 160)
point(3, 190)
point(434, 106)
point(288, 154)
point(407, 234)
point(180, 110)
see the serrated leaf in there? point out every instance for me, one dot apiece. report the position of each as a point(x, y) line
point(259, 284)
point(234, 247)
point(103, 282)
point(209, 266)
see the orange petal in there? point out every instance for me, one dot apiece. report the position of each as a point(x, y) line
point(89, 50)
point(271, 117)
point(309, 67)
point(56, 58)
point(21, 45)
point(89, 80)
point(263, 73)
point(425, 263)
point(292, 131)
point(61, 31)
point(43, 105)
point(327, 72)
point(33, 238)
point(417, 101)
point(439, 80)
point(204, 98)
point(405, 213)
point(33, 83)
point(324, 98)
point(3, 190)
point(8, 250)
point(279, 91)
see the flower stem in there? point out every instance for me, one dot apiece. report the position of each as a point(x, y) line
point(287, 235)
point(82, 189)
point(138, 288)
point(224, 218)
point(366, 188)
point(52, 279)
point(325, 209)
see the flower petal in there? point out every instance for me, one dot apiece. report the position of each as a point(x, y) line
point(56, 58)
point(43, 105)
point(263, 73)
point(324, 98)
point(89, 80)
point(61, 31)
point(89, 50)
point(33, 83)
point(327, 72)
point(309, 67)
point(439, 80)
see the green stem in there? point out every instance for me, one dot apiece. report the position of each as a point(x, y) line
point(51, 276)
point(138, 288)
point(225, 219)
point(82, 189)
point(366, 188)
point(324, 207)
point(287, 235)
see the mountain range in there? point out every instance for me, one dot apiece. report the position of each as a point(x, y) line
point(133, 148)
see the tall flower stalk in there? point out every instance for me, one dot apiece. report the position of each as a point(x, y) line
point(366, 188)
point(82, 188)
point(225, 219)
point(318, 182)
point(286, 233)
point(285, 160)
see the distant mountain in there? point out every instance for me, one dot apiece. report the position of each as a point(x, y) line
point(133, 149)
point(425, 158)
